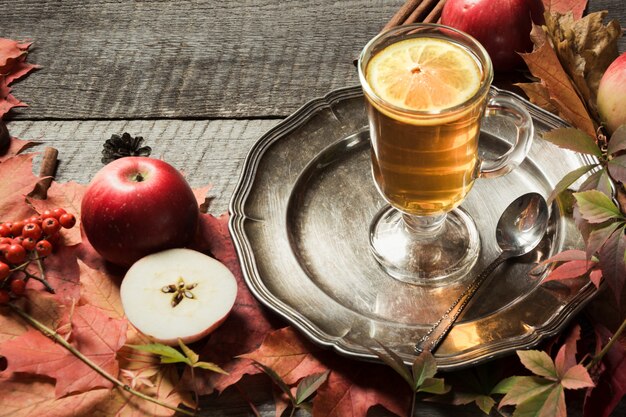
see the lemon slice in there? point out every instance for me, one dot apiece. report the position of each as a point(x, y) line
point(424, 74)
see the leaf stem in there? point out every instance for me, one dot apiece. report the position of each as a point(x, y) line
point(608, 346)
point(60, 340)
point(414, 396)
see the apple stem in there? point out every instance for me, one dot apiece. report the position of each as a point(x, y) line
point(46, 331)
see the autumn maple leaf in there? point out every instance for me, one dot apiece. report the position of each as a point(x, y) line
point(13, 193)
point(95, 335)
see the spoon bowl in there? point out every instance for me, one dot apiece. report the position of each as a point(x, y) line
point(520, 228)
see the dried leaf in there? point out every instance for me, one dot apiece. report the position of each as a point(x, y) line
point(95, 335)
point(13, 193)
point(63, 274)
point(544, 64)
point(577, 7)
point(574, 140)
point(16, 146)
point(28, 396)
point(100, 290)
point(585, 48)
point(596, 207)
point(539, 95)
point(10, 51)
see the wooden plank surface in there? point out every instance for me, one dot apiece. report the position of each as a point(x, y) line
point(200, 80)
point(105, 59)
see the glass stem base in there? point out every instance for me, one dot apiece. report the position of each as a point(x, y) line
point(420, 250)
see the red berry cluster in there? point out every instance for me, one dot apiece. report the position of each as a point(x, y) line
point(24, 241)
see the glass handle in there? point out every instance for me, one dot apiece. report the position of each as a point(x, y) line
point(516, 113)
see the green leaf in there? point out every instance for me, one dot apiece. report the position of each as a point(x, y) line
point(597, 238)
point(618, 140)
point(424, 366)
point(549, 403)
point(568, 180)
point(596, 207)
point(520, 388)
point(309, 385)
point(394, 361)
point(210, 366)
point(617, 168)
point(485, 403)
point(167, 353)
point(538, 362)
point(574, 140)
point(277, 380)
point(190, 354)
point(433, 386)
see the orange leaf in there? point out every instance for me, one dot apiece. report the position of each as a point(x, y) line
point(100, 290)
point(544, 64)
point(16, 146)
point(13, 193)
point(95, 335)
point(288, 354)
point(10, 51)
point(28, 396)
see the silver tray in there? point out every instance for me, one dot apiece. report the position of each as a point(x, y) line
point(299, 220)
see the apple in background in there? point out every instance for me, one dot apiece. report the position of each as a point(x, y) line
point(611, 97)
point(501, 26)
point(136, 206)
point(177, 294)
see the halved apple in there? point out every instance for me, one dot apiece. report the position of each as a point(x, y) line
point(177, 294)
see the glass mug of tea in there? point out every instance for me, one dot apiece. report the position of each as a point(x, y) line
point(426, 89)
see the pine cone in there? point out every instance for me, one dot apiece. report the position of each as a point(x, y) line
point(122, 146)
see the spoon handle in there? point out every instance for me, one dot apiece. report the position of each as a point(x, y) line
point(440, 329)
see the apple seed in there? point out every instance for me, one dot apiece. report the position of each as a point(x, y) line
point(180, 291)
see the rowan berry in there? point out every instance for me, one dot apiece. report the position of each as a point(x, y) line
point(5, 230)
point(47, 214)
point(32, 230)
point(18, 286)
point(15, 253)
point(43, 248)
point(50, 225)
point(16, 228)
point(29, 243)
point(35, 219)
point(5, 270)
point(67, 220)
point(58, 212)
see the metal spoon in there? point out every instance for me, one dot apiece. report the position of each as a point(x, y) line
point(519, 230)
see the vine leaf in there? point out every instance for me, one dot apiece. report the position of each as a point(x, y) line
point(618, 141)
point(596, 207)
point(613, 263)
point(168, 354)
point(568, 180)
point(598, 237)
point(617, 168)
point(574, 140)
point(309, 385)
point(544, 393)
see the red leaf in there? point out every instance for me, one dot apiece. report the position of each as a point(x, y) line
point(596, 277)
point(248, 323)
point(612, 262)
point(63, 274)
point(28, 396)
point(100, 290)
point(569, 270)
point(94, 334)
point(15, 147)
point(68, 196)
point(577, 7)
point(289, 355)
point(566, 357)
point(13, 193)
point(20, 69)
point(10, 51)
point(353, 390)
point(7, 100)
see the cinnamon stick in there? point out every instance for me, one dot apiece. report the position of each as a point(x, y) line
point(46, 172)
point(420, 12)
point(435, 14)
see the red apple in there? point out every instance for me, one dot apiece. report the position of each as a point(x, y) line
point(177, 294)
point(136, 206)
point(501, 26)
point(612, 95)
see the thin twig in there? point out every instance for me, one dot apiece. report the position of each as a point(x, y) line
point(60, 340)
point(608, 346)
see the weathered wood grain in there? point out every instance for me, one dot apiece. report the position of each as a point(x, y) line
point(208, 152)
point(187, 59)
point(192, 59)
